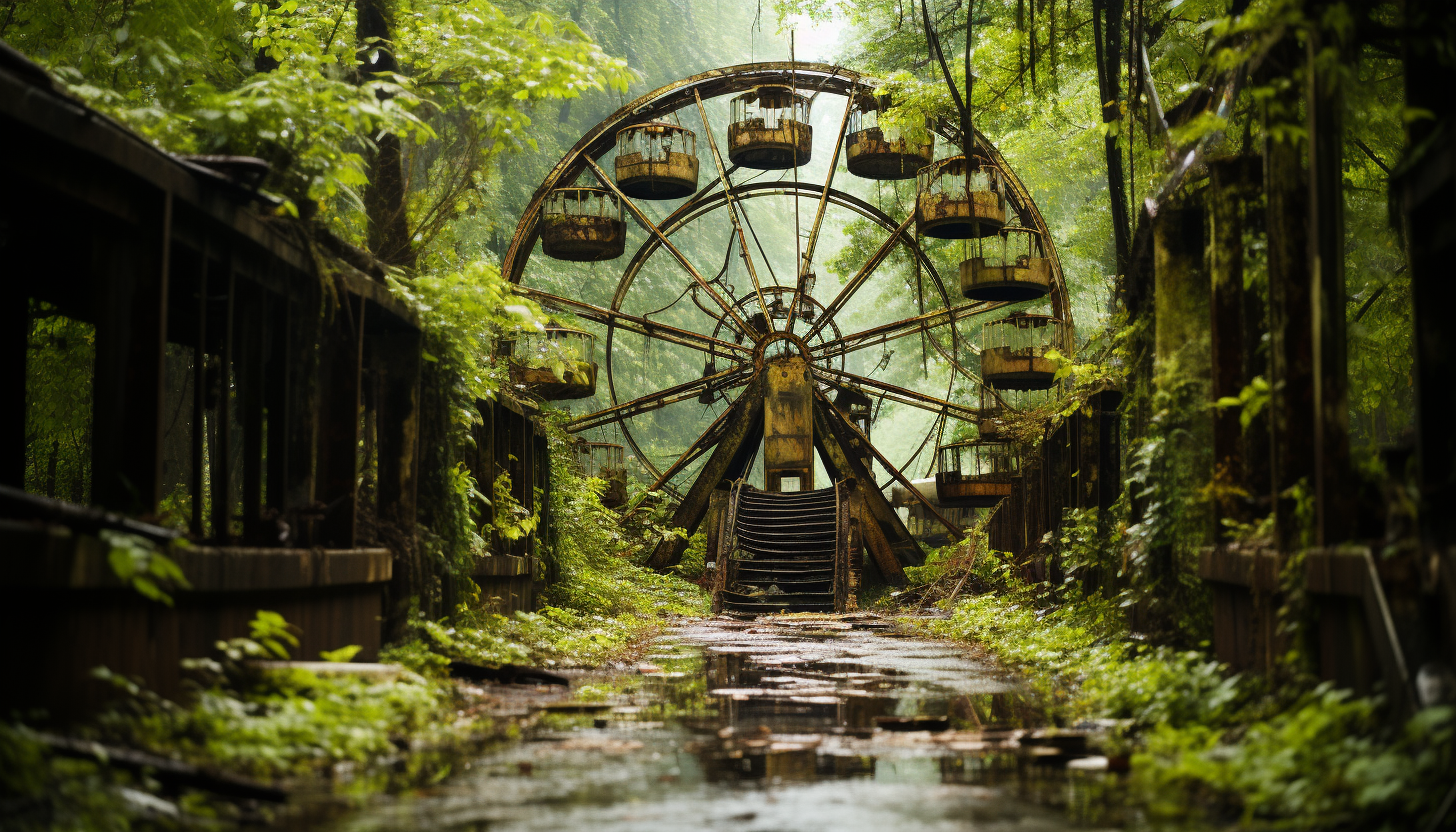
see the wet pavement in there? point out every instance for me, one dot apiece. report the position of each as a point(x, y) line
point(787, 723)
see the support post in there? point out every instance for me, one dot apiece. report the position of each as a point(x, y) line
point(197, 484)
point(15, 326)
point(342, 351)
point(1425, 187)
point(1291, 362)
point(1182, 371)
point(301, 418)
point(728, 461)
point(222, 479)
point(788, 424)
point(1232, 178)
point(277, 375)
point(883, 527)
point(398, 351)
point(1335, 506)
point(250, 406)
point(131, 272)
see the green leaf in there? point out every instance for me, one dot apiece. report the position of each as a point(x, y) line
point(272, 632)
point(343, 654)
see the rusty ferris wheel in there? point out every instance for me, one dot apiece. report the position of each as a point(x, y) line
point(778, 357)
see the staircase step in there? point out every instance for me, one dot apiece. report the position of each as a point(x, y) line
point(787, 563)
point(793, 536)
point(778, 502)
point(800, 602)
point(762, 552)
point(820, 525)
point(778, 536)
point(791, 586)
point(784, 580)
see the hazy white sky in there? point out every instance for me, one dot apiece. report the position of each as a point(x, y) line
point(815, 41)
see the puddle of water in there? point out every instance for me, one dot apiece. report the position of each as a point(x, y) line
point(775, 725)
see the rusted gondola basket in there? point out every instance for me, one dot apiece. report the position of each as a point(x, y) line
point(657, 160)
point(607, 461)
point(1000, 407)
point(582, 225)
point(1010, 266)
point(960, 200)
point(977, 473)
point(769, 129)
point(876, 151)
point(1014, 351)
point(555, 364)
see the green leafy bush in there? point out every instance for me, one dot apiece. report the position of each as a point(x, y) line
point(1330, 761)
point(286, 721)
point(1216, 746)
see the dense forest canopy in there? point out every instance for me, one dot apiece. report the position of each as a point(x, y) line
point(470, 86)
point(483, 98)
point(420, 130)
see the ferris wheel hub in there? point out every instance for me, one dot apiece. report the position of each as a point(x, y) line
point(764, 342)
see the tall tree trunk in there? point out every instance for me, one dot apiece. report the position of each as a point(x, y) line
point(1052, 43)
point(384, 198)
point(1021, 44)
point(1107, 32)
point(1031, 34)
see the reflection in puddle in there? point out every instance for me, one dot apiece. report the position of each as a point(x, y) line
point(833, 723)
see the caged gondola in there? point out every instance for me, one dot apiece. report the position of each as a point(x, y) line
point(1016, 351)
point(956, 199)
point(880, 151)
point(769, 129)
point(657, 160)
point(582, 225)
point(976, 473)
point(607, 461)
point(556, 363)
point(1008, 267)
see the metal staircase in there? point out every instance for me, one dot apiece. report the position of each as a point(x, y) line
point(784, 552)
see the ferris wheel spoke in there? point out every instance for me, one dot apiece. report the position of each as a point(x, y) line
point(937, 429)
point(677, 254)
point(897, 236)
point(634, 323)
point(900, 394)
point(726, 380)
point(708, 439)
point(936, 424)
point(894, 472)
point(733, 212)
point(808, 257)
point(884, 333)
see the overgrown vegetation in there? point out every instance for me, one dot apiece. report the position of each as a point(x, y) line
point(356, 733)
point(282, 724)
point(1209, 746)
point(601, 605)
point(1121, 635)
point(301, 85)
point(1206, 745)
